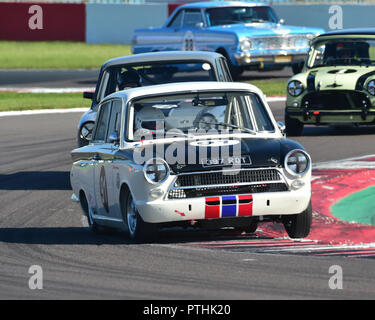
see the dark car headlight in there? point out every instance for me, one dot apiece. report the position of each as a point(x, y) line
point(156, 170)
point(295, 88)
point(371, 87)
point(297, 162)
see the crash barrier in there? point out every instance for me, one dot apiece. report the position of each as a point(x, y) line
point(327, 16)
point(114, 23)
point(42, 21)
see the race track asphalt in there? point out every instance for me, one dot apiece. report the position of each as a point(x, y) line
point(40, 225)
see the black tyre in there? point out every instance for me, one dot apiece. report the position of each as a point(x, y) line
point(293, 127)
point(299, 225)
point(139, 230)
point(297, 67)
point(249, 228)
point(92, 225)
point(235, 71)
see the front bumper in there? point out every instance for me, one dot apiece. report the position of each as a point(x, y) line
point(257, 204)
point(318, 117)
point(280, 58)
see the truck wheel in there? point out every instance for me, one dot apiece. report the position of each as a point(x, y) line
point(235, 71)
point(293, 127)
point(139, 230)
point(298, 225)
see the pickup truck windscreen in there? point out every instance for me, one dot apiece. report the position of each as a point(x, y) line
point(240, 15)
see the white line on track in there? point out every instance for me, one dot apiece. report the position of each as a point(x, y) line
point(42, 111)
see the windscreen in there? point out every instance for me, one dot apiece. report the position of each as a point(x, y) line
point(355, 51)
point(199, 112)
point(240, 15)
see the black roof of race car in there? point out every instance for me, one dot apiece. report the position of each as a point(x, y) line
point(354, 31)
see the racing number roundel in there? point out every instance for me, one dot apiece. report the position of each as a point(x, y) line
point(188, 41)
point(103, 189)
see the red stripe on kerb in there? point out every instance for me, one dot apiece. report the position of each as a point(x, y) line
point(212, 209)
point(245, 209)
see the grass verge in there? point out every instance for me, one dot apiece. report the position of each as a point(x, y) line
point(271, 87)
point(16, 101)
point(57, 54)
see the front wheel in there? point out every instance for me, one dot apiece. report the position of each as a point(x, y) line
point(299, 225)
point(293, 127)
point(139, 230)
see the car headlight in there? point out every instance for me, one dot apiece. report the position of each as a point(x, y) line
point(245, 45)
point(297, 162)
point(295, 88)
point(371, 87)
point(156, 170)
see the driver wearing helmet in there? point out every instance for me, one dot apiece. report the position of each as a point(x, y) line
point(129, 79)
point(148, 120)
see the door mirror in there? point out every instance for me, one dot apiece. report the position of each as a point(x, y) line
point(281, 126)
point(88, 95)
point(114, 138)
point(199, 25)
point(281, 21)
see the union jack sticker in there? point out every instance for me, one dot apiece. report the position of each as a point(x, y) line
point(229, 206)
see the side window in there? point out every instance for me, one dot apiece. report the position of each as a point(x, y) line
point(102, 122)
point(177, 20)
point(262, 118)
point(225, 69)
point(103, 86)
point(115, 119)
point(192, 17)
point(108, 84)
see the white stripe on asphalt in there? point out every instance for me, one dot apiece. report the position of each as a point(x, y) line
point(42, 111)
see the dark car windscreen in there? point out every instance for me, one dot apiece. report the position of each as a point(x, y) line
point(138, 75)
point(240, 15)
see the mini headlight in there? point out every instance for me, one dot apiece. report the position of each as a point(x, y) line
point(295, 88)
point(371, 87)
point(297, 162)
point(156, 170)
point(245, 45)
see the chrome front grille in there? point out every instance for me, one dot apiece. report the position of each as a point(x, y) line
point(211, 183)
point(222, 177)
point(280, 42)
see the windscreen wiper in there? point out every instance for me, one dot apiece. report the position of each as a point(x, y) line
point(229, 125)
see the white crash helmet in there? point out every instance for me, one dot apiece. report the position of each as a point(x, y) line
point(149, 120)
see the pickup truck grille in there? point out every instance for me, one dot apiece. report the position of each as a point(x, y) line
point(217, 183)
point(280, 42)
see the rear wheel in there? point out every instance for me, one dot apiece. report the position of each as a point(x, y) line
point(299, 225)
point(293, 127)
point(139, 230)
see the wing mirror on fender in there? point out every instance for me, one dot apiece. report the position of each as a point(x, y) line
point(88, 95)
point(114, 137)
point(282, 127)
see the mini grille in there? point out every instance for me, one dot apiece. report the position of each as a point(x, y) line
point(212, 178)
point(217, 191)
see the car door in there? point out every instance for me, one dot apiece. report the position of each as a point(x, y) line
point(191, 33)
point(112, 166)
point(172, 37)
point(101, 159)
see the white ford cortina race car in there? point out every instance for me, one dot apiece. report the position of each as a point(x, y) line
point(207, 154)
